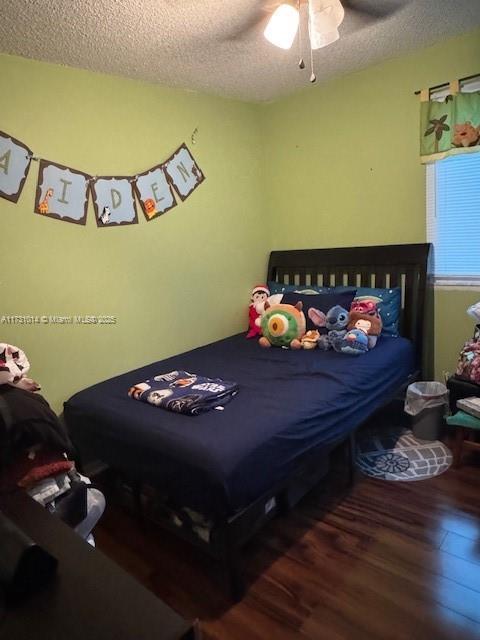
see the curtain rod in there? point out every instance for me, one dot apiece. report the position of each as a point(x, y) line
point(445, 84)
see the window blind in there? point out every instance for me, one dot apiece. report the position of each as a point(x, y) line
point(453, 218)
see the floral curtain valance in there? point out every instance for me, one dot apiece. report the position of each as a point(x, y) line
point(450, 127)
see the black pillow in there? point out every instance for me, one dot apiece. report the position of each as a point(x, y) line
point(322, 301)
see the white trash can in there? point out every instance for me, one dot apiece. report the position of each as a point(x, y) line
point(426, 403)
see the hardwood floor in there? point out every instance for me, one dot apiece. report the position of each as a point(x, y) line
point(386, 561)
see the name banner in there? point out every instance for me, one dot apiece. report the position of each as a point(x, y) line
point(63, 193)
point(15, 160)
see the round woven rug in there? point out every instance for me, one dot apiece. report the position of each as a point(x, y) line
point(396, 454)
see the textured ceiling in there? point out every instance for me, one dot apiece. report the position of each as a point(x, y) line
point(198, 44)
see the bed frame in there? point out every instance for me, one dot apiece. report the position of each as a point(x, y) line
point(400, 265)
point(405, 266)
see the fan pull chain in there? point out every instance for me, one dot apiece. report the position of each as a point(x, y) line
point(313, 77)
point(301, 63)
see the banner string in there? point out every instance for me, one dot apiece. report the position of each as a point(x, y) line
point(182, 163)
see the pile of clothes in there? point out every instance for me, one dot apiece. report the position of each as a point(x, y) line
point(36, 451)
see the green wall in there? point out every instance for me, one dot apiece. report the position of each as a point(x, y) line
point(342, 166)
point(333, 165)
point(173, 283)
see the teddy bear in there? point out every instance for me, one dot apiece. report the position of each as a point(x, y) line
point(465, 135)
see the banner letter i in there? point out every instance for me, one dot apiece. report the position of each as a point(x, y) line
point(62, 198)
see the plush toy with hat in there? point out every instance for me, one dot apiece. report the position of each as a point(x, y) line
point(259, 296)
point(283, 325)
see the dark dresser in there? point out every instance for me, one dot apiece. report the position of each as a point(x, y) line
point(91, 598)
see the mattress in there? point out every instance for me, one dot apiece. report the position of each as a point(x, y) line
point(290, 404)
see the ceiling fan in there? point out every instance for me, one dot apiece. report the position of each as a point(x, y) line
point(324, 19)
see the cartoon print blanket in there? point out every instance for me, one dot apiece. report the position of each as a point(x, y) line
point(13, 364)
point(184, 392)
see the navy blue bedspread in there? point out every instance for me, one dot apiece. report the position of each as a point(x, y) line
point(289, 404)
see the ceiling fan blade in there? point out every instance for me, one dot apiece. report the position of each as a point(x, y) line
point(371, 10)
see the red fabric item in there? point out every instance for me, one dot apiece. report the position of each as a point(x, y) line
point(22, 466)
point(253, 329)
point(44, 471)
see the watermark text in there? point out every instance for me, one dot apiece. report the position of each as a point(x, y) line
point(57, 319)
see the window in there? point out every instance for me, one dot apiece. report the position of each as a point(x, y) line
point(453, 209)
point(453, 218)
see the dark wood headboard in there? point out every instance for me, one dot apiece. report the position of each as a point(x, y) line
point(397, 265)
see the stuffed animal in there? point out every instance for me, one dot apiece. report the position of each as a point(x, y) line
point(14, 366)
point(258, 298)
point(310, 339)
point(282, 325)
point(335, 321)
point(362, 333)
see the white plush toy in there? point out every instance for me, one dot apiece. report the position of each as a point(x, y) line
point(14, 365)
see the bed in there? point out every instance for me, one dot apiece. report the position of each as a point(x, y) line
point(241, 466)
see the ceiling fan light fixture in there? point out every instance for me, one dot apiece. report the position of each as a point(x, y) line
point(282, 26)
point(324, 18)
